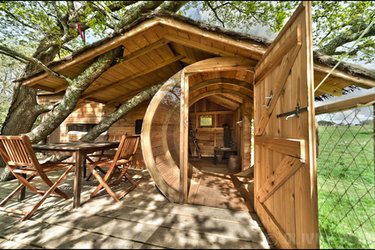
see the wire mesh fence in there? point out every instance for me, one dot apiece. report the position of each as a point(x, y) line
point(346, 173)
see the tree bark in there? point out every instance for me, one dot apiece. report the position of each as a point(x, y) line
point(107, 122)
point(343, 38)
point(72, 95)
point(24, 106)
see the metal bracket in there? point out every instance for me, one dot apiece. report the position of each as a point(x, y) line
point(293, 113)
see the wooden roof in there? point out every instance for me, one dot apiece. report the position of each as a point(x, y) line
point(157, 46)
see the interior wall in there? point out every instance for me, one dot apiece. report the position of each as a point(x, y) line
point(211, 137)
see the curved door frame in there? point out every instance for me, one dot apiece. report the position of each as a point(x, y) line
point(208, 65)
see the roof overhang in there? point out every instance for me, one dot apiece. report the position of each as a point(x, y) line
point(158, 46)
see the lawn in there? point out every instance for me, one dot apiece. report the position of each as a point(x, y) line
point(346, 193)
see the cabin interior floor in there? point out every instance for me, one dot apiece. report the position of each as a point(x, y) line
point(213, 185)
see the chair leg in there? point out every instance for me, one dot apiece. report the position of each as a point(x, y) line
point(107, 177)
point(124, 170)
point(51, 190)
point(102, 183)
point(131, 180)
point(56, 190)
point(132, 187)
point(128, 177)
point(18, 189)
point(101, 170)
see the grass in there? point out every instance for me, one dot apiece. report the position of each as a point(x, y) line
point(346, 193)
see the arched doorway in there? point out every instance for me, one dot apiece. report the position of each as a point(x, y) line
point(225, 81)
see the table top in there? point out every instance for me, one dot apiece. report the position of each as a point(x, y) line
point(75, 146)
point(224, 149)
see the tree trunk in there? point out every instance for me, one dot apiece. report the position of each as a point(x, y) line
point(69, 102)
point(73, 94)
point(24, 109)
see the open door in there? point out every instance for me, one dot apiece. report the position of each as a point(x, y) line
point(284, 120)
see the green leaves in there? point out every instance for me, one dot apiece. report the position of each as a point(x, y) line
point(340, 23)
point(336, 24)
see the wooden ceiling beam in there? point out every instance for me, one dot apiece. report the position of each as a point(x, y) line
point(145, 50)
point(122, 81)
point(132, 56)
point(198, 97)
point(256, 50)
point(232, 98)
point(81, 58)
point(229, 81)
point(197, 45)
point(232, 105)
point(218, 64)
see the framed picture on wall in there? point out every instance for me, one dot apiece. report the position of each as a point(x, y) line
point(205, 121)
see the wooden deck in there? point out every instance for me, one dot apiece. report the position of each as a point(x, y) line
point(143, 219)
point(215, 186)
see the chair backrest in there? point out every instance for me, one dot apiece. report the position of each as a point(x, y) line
point(127, 148)
point(18, 152)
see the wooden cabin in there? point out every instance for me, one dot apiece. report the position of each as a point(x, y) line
point(87, 115)
point(220, 85)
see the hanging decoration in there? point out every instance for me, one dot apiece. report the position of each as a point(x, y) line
point(81, 33)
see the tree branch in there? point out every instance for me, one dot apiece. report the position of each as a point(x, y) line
point(13, 56)
point(135, 11)
point(40, 109)
point(216, 15)
point(343, 38)
point(106, 122)
point(172, 6)
point(33, 61)
point(73, 94)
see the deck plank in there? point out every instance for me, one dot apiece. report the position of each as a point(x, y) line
point(143, 219)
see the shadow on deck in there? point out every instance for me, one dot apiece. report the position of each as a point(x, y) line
point(143, 219)
point(215, 186)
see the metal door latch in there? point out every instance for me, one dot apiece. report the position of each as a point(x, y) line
point(293, 113)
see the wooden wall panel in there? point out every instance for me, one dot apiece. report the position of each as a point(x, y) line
point(211, 137)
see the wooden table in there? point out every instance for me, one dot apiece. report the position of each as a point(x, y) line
point(81, 149)
point(223, 152)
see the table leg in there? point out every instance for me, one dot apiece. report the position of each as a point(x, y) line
point(84, 164)
point(77, 181)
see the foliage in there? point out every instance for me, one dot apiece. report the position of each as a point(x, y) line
point(27, 23)
point(9, 70)
point(336, 24)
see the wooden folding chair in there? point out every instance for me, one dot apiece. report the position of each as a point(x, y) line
point(121, 162)
point(21, 160)
point(101, 155)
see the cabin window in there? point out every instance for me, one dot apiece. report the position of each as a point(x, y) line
point(138, 126)
point(205, 121)
point(80, 127)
